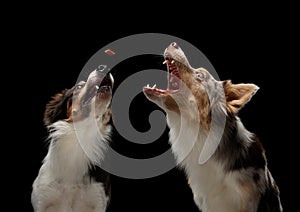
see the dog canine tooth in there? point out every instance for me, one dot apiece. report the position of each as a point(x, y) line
point(154, 86)
point(165, 61)
point(97, 87)
point(173, 61)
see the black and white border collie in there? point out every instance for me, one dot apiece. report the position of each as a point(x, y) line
point(79, 131)
point(236, 177)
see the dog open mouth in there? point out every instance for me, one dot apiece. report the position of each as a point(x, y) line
point(174, 80)
point(102, 89)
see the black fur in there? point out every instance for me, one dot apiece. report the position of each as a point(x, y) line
point(269, 201)
point(239, 156)
point(56, 109)
point(100, 175)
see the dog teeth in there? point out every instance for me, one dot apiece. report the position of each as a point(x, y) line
point(97, 87)
point(165, 61)
point(172, 61)
point(148, 86)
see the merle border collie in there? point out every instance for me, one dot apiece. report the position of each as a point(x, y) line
point(235, 178)
point(79, 131)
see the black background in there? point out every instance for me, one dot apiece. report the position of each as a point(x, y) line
point(51, 54)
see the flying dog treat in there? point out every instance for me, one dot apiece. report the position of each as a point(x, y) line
point(109, 52)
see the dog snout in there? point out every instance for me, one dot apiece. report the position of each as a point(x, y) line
point(171, 50)
point(99, 74)
point(101, 68)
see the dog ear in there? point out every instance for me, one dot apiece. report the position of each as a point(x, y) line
point(237, 95)
point(58, 107)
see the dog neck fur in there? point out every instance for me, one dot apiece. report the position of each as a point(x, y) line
point(85, 143)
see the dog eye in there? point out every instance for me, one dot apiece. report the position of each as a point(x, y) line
point(200, 75)
point(78, 87)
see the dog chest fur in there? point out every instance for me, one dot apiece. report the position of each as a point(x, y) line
point(63, 180)
point(212, 186)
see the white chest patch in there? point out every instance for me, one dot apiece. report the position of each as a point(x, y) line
point(61, 197)
point(63, 183)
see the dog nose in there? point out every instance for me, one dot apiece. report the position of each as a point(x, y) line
point(98, 74)
point(174, 45)
point(101, 68)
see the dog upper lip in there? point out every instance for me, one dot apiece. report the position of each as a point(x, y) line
point(167, 55)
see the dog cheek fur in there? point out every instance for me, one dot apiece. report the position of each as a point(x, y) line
point(203, 106)
point(193, 100)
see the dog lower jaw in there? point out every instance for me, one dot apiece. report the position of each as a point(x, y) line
point(158, 93)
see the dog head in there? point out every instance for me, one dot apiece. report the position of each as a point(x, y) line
point(193, 91)
point(87, 98)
